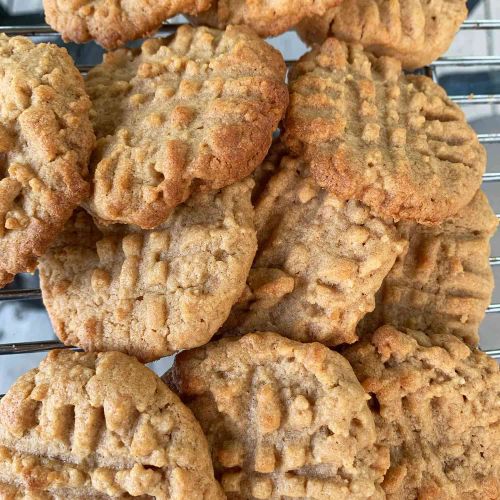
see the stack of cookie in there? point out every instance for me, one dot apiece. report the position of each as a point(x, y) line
point(342, 266)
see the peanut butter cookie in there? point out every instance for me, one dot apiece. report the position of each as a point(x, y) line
point(184, 114)
point(99, 426)
point(45, 143)
point(319, 263)
point(443, 282)
point(283, 419)
point(265, 17)
point(114, 22)
point(151, 293)
point(436, 406)
point(414, 31)
point(371, 133)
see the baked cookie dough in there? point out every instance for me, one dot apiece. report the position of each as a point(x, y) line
point(114, 22)
point(416, 32)
point(45, 143)
point(266, 18)
point(100, 426)
point(320, 260)
point(436, 406)
point(151, 293)
point(443, 281)
point(283, 419)
point(371, 133)
point(192, 112)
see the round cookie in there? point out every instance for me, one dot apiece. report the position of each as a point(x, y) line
point(283, 419)
point(193, 112)
point(100, 426)
point(443, 282)
point(113, 23)
point(151, 293)
point(436, 406)
point(416, 32)
point(320, 260)
point(266, 18)
point(371, 133)
point(45, 143)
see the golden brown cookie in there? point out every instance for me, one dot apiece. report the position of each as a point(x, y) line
point(416, 32)
point(436, 406)
point(151, 293)
point(45, 143)
point(266, 18)
point(319, 263)
point(443, 282)
point(371, 133)
point(100, 426)
point(183, 114)
point(283, 419)
point(114, 22)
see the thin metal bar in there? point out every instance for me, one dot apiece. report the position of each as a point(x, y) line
point(30, 347)
point(493, 308)
point(493, 353)
point(29, 30)
point(85, 68)
point(482, 24)
point(36, 30)
point(491, 177)
point(466, 61)
point(476, 99)
point(489, 138)
point(28, 294)
point(494, 261)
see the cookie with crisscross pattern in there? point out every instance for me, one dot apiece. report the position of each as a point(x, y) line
point(371, 133)
point(193, 112)
point(320, 260)
point(100, 426)
point(45, 143)
point(436, 406)
point(114, 22)
point(283, 419)
point(151, 293)
point(443, 281)
point(414, 31)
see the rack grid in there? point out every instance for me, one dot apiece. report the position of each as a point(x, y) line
point(43, 31)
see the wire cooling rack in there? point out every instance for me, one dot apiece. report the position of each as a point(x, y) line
point(38, 32)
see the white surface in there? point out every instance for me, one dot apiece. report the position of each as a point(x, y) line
point(22, 6)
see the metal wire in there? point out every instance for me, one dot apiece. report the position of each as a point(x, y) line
point(38, 31)
point(30, 347)
point(465, 61)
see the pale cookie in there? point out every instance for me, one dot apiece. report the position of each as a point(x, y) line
point(443, 283)
point(192, 112)
point(267, 18)
point(151, 293)
point(45, 143)
point(99, 426)
point(114, 22)
point(370, 132)
point(319, 264)
point(436, 404)
point(416, 32)
point(283, 419)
